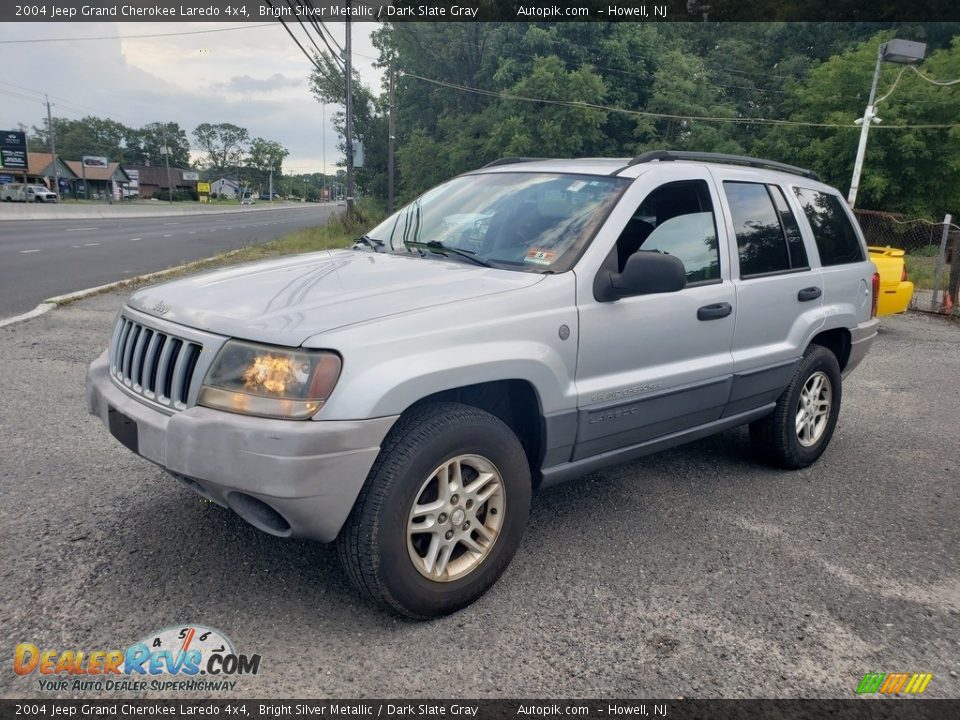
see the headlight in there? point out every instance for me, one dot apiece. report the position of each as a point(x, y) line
point(269, 381)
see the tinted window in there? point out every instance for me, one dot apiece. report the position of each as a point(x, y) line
point(676, 219)
point(798, 253)
point(836, 239)
point(756, 223)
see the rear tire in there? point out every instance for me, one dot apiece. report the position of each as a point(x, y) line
point(441, 514)
point(799, 429)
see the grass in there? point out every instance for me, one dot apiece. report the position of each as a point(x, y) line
point(922, 270)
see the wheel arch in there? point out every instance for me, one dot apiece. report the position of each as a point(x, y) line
point(837, 341)
point(515, 402)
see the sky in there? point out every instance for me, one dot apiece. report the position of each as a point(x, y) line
point(254, 77)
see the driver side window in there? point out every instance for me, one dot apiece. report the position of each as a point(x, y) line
point(676, 219)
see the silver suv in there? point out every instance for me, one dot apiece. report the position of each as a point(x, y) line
point(515, 327)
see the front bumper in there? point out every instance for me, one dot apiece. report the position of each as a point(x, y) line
point(861, 338)
point(286, 477)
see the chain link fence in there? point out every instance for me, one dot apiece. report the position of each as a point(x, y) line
point(932, 255)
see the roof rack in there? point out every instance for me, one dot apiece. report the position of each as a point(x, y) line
point(511, 161)
point(723, 159)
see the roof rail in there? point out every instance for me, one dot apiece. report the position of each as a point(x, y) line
point(511, 161)
point(723, 159)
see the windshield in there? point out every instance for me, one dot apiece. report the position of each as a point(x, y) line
point(535, 222)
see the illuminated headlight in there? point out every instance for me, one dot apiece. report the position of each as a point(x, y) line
point(269, 381)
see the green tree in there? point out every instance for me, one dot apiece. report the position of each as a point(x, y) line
point(144, 145)
point(223, 144)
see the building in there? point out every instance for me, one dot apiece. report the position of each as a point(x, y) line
point(102, 183)
point(40, 171)
point(151, 179)
point(226, 188)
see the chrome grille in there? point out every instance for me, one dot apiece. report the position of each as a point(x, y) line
point(154, 364)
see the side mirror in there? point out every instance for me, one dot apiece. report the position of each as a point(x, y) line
point(645, 273)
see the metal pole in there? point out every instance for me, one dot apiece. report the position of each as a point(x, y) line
point(868, 116)
point(941, 257)
point(348, 130)
point(271, 184)
point(323, 143)
point(391, 133)
point(166, 157)
point(53, 150)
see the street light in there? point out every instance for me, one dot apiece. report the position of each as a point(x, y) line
point(903, 52)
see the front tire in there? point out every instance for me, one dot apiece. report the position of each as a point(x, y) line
point(441, 514)
point(799, 429)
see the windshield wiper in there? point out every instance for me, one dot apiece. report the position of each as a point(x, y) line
point(370, 242)
point(439, 247)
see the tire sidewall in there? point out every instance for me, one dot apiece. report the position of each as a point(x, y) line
point(420, 595)
point(819, 360)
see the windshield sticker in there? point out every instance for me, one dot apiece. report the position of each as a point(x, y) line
point(576, 185)
point(540, 257)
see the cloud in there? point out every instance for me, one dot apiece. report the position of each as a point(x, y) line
point(247, 84)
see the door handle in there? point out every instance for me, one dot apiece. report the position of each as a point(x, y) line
point(714, 312)
point(810, 293)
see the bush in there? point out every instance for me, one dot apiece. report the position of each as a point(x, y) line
point(178, 195)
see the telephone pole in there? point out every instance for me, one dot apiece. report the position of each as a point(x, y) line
point(391, 136)
point(53, 150)
point(348, 130)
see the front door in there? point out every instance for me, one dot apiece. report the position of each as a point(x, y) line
point(654, 365)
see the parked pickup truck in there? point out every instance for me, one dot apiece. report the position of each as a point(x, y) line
point(515, 327)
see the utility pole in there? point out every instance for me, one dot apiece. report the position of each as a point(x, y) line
point(348, 130)
point(868, 118)
point(391, 137)
point(166, 157)
point(53, 150)
point(323, 144)
point(271, 184)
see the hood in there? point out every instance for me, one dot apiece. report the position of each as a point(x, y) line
point(286, 301)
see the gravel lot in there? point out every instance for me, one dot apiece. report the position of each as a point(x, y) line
point(695, 573)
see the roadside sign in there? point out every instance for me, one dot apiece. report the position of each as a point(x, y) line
point(13, 150)
point(95, 161)
point(191, 176)
point(6, 179)
point(202, 187)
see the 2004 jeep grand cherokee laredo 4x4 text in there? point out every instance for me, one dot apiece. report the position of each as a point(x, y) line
point(517, 326)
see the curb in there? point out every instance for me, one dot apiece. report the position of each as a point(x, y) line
point(53, 302)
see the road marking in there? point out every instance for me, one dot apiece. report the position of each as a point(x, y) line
point(176, 223)
point(135, 239)
point(90, 244)
point(25, 252)
point(168, 235)
point(79, 229)
point(193, 232)
point(76, 246)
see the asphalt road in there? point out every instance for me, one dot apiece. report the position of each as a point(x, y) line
point(697, 572)
point(45, 258)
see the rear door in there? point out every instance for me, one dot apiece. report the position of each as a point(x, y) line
point(779, 290)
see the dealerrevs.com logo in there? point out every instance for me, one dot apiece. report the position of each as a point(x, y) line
point(187, 657)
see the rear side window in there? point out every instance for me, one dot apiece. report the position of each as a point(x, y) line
point(836, 239)
point(798, 253)
point(756, 223)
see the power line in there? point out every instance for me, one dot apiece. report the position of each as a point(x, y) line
point(132, 37)
point(670, 116)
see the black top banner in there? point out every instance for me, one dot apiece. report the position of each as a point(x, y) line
point(482, 10)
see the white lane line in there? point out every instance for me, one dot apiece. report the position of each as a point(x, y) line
point(193, 232)
point(76, 246)
point(79, 229)
point(27, 252)
point(135, 239)
point(168, 235)
point(176, 223)
point(90, 244)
